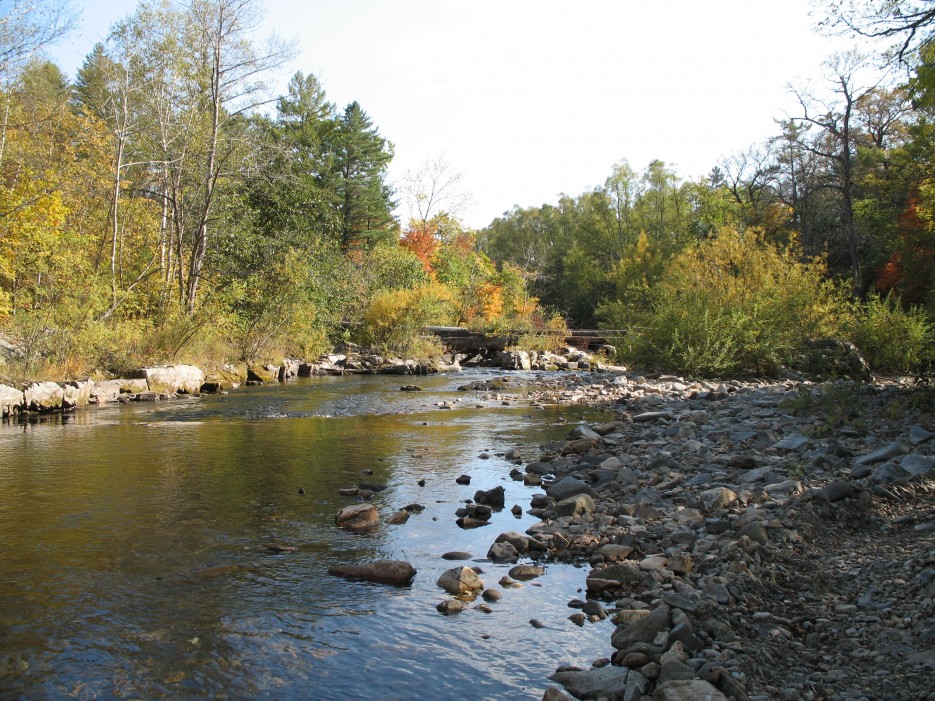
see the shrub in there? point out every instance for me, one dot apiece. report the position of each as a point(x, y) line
point(736, 303)
point(393, 319)
point(893, 339)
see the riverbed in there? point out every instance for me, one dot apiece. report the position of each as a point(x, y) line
point(136, 562)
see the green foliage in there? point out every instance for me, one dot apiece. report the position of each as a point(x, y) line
point(736, 304)
point(891, 338)
point(271, 313)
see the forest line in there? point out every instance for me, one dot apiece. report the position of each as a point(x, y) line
point(155, 209)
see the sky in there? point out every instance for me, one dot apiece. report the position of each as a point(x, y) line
point(531, 99)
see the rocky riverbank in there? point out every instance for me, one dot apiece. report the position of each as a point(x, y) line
point(168, 381)
point(746, 540)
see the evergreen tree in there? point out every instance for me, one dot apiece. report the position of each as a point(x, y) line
point(363, 197)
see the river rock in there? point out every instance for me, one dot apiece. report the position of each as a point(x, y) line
point(461, 581)
point(450, 607)
point(579, 446)
point(399, 518)
point(623, 575)
point(642, 630)
point(584, 432)
point(526, 572)
point(716, 498)
point(491, 497)
point(456, 555)
point(358, 517)
point(183, 379)
point(600, 683)
point(11, 400)
point(569, 487)
point(44, 396)
point(517, 540)
point(503, 552)
point(575, 506)
point(687, 690)
point(397, 573)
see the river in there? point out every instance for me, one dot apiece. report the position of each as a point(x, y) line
point(134, 559)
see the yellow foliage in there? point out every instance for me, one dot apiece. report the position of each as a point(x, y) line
point(393, 318)
point(490, 299)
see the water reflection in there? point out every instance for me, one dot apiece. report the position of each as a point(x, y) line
point(134, 539)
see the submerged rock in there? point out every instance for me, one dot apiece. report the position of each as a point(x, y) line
point(397, 573)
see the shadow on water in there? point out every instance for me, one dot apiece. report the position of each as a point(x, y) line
point(134, 541)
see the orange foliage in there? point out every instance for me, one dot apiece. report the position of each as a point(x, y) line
point(421, 239)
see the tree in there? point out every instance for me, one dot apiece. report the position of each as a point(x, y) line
point(228, 73)
point(909, 22)
point(363, 197)
point(434, 188)
point(836, 143)
point(291, 195)
point(26, 27)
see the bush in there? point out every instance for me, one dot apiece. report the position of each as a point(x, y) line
point(893, 339)
point(736, 303)
point(393, 319)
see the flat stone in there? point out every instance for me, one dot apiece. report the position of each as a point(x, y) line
point(894, 449)
point(919, 435)
point(918, 465)
point(648, 416)
point(793, 443)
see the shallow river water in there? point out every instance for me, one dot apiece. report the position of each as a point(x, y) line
point(133, 558)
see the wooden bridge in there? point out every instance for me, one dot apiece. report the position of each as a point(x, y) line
point(467, 341)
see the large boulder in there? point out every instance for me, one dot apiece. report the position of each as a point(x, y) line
point(11, 400)
point(44, 396)
point(358, 517)
point(262, 373)
point(184, 379)
point(461, 581)
point(515, 360)
point(397, 573)
point(77, 394)
point(105, 392)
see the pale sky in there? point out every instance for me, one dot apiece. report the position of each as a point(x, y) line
point(529, 99)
